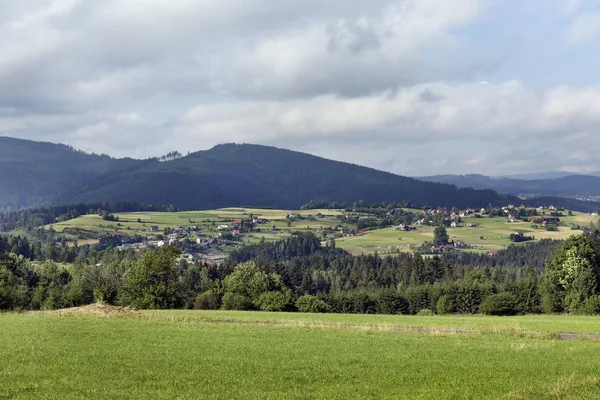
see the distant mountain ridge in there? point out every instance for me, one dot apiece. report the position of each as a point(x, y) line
point(226, 175)
point(570, 186)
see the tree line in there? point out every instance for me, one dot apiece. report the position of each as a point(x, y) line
point(299, 274)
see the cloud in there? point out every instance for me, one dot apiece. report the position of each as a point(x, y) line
point(411, 86)
point(464, 122)
point(585, 28)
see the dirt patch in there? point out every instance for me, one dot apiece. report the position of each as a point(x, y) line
point(571, 336)
point(99, 310)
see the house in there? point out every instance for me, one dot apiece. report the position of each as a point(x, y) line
point(436, 249)
point(293, 216)
point(512, 218)
point(103, 235)
point(454, 225)
point(534, 220)
point(319, 215)
point(594, 214)
point(237, 222)
point(160, 243)
point(223, 228)
point(472, 225)
point(154, 228)
point(236, 232)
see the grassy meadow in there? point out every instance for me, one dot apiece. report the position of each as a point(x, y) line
point(206, 221)
point(490, 234)
point(220, 355)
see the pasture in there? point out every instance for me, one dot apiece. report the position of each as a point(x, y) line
point(489, 235)
point(220, 355)
point(206, 221)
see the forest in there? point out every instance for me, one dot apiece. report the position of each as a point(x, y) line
point(299, 274)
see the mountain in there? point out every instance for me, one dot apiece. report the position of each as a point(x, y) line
point(570, 186)
point(230, 175)
point(227, 175)
point(540, 175)
point(38, 173)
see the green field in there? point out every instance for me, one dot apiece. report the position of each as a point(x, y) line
point(207, 221)
point(219, 355)
point(490, 234)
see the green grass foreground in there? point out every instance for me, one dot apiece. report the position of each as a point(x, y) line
point(218, 355)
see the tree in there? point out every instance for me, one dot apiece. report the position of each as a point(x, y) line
point(440, 236)
point(152, 282)
point(248, 281)
point(311, 304)
point(499, 304)
point(571, 276)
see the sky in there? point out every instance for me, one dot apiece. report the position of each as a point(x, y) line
point(414, 87)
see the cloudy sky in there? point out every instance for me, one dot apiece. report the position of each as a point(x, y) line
point(414, 87)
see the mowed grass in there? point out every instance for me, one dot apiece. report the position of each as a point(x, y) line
point(173, 355)
point(523, 325)
point(490, 234)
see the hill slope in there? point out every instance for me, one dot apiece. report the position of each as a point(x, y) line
point(39, 173)
point(230, 175)
point(564, 186)
point(35, 173)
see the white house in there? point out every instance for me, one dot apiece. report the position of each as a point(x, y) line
point(160, 243)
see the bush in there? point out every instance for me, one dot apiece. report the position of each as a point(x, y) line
point(235, 301)
point(208, 301)
point(444, 305)
point(273, 301)
point(499, 304)
point(312, 304)
point(591, 306)
point(425, 312)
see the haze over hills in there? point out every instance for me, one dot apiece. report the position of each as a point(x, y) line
point(226, 175)
point(570, 186)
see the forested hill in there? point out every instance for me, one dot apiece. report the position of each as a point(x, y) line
point(39, 173)
point(582, 186)
point(252, 175)
point(35, 173)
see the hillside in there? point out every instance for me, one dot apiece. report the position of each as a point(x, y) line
point(578, 186)
point(39, 173)
point(230, 175)
point(36, 173)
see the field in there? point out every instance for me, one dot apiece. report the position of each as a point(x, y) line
point(206, 221)
point(490, 234)
point(244, 355)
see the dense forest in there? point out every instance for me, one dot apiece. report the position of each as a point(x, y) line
point(46, 174)
point(300, 274)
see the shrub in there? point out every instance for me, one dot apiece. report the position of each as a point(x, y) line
point(444, 305)
point(273, 301)
point(312, 304)
point(208, 301)
point(499, 304)
point(235, 301)
point(591, 306)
